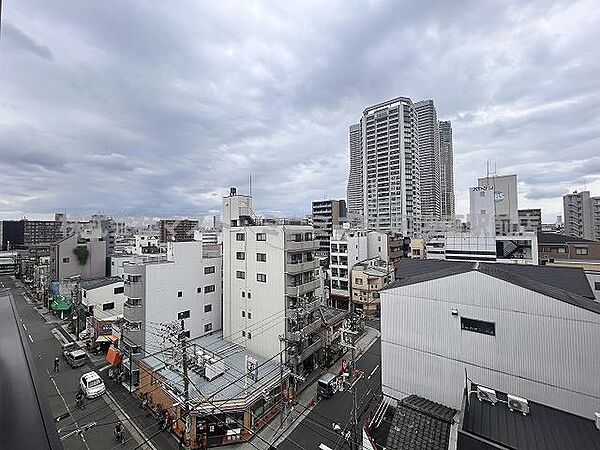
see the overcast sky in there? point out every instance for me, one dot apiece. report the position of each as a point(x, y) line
point(156, 107)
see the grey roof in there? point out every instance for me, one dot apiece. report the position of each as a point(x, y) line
point(544, 428)
point(561, 283)
point(99, 282)
point(231, 384)
point(554, 238)
point(418, 424)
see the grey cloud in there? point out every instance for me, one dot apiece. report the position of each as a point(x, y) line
point(18, 39)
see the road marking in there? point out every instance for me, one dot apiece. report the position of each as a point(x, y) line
point(128, 422)
point(30, 338)
point(68, 410)
point(104, 368)
point(24, 327)
point(372, 372)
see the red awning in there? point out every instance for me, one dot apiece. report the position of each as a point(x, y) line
point(114, 356)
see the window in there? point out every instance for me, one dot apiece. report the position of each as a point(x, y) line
point(207, 308)
point(249, 315)
point(249, 295)
point(84, 294)
point(597, 285)
point(199, 290)
point(308, 237)
point(65, 260)
point(207, 327)
point(581, 250)
point(262, 257)
point(183, 315)
point(561, 250)
point(243, 333)
point(118, 290)
point(185, 334)
point(108, 306)
point(478, 326)
point(243, 294)
point(240, 237)
point(358, 281)
point(243, 313)
point(261, 236)
point(209, 288)
point(249, 335)
point(180, 294)
point(240, 274)
point(240, 256)
point(209, 269)
point(261, 277)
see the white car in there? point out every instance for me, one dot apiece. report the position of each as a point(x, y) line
point(91, 385)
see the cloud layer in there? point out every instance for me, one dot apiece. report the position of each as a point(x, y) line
point(157, 107)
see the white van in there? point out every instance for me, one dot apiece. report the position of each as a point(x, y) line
point(76, 358)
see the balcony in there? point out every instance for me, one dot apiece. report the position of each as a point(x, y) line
point(292, 245)
point(133, 289)
point(309, 351)
point(301, 289)
point(294, 268)
point(133, 313)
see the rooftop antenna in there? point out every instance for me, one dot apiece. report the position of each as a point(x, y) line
point(250, 184)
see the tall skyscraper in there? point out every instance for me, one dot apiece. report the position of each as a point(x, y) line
point(506, 198)
point(446, 170)
point(390, 166)
point(355, 178)
point(430, 160)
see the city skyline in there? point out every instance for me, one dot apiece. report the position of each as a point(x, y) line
point(135, 116)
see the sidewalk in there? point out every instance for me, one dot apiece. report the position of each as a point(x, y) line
point(307, 400)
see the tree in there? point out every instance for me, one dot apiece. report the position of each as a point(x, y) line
point(82, 253)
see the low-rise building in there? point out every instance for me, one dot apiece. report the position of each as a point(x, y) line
point(530, 219)
point(525, 330)
point(180, 230)
point(102, 302)
point(368, 278)
point(76, 257)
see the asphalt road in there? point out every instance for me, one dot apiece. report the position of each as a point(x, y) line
point(317, 427)
point(61, 388)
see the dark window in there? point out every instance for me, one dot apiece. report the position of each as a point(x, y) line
point(208, 327)
point(180, 294)
point(262, 257)
point(240, 237)
point(478, 326)
point(249, 315)
point(209, 288)
point(240, 274)
point(118, 290)
point(209, 269)
point(108, 306)
point(597, 285)
point(207, 308)
point(261, 236)
point(66, 260)
point(243, 333)
point(185, 334)
point(183, 315)
point(243, 313)
point(240, 255)
point(243, 294)
point(261, 277)
point(198, 290)
point(249, 295)
point(249, 335)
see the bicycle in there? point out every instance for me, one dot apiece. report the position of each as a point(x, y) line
point(119, 435)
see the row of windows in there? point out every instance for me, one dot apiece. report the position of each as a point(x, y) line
point(186, 315)
point(240, 274)
point(241, 256)
point(207, 290)
point(249, 315)
point(259, 236)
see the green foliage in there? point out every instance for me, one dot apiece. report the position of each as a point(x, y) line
point(82, 253)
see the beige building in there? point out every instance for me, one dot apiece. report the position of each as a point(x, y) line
point(417, 248)
point(368, 278)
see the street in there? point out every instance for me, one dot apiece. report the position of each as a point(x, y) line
point(100, 415)
point(317, 426)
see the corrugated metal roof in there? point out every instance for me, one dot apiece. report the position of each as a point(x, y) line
point(561, 283)
point(544, 428)
point(100, 282)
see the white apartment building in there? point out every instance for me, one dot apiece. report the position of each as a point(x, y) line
point(208, 237)
point(104, 300)
point(389, 159)
point(448, 199)
point(188, 283)
point(582, 215)
point(523, 330)
point(269, 284)
point(506, 201)
point(349, 246)
point(429, 160)
point(355, 178)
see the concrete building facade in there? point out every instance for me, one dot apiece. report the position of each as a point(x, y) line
point(326, 214)
point(368, 278)
point(448, 199)
point(582, 215)
point(66, 263)
point(506, 201)
point(429, 160)
point(530, 219)
point(355, 178)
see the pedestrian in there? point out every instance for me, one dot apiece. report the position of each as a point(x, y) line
point(56, 364)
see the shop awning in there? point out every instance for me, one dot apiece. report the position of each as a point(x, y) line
point(114, 356)
point(60, 304)
point(103, 338)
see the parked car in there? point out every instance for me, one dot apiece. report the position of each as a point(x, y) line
point(76, 358)
point(69, 347)
point(91, 385)
point(326, 386)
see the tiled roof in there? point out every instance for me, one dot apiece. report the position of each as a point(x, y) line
point(420, 424)
point(99, 282)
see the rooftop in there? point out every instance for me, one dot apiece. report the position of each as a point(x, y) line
point(554, 238)
point(231, 384)
point(544, 428)
point(566, 284)
point(100, 282)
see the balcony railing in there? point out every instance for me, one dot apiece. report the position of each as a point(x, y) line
point(293, 245)
point(292, 267)
point(294, 289)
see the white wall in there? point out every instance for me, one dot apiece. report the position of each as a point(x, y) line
point(544, 350)
point(104, 294)
point(184, 273)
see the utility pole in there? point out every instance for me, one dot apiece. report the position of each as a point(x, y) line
point(283, 398)
point(186, 385)
point(349, 328)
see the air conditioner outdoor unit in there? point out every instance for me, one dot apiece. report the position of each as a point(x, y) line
point(518, 404)
point(486, 394)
